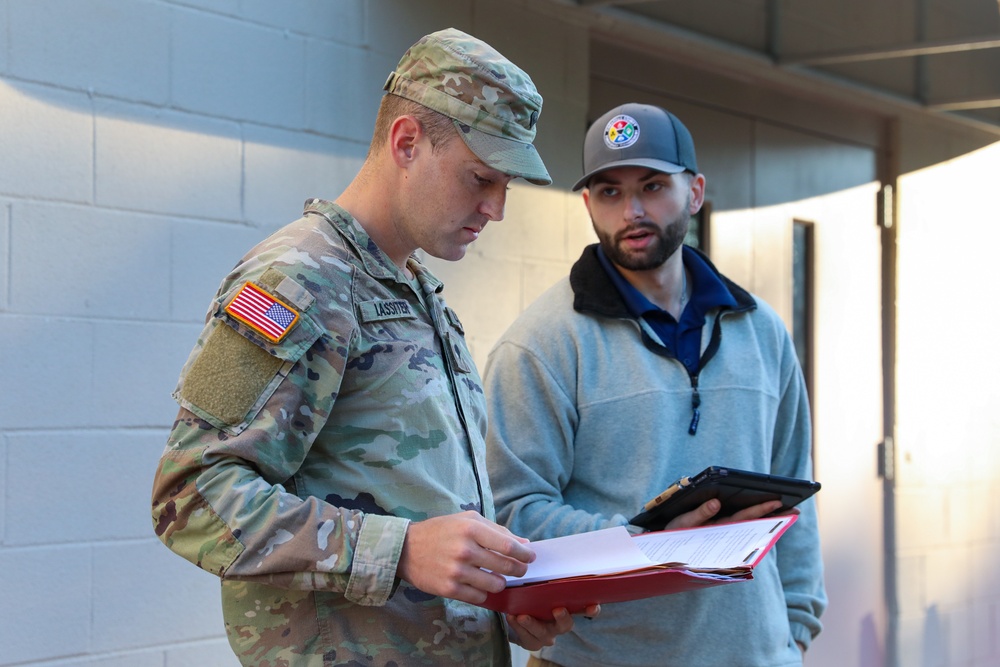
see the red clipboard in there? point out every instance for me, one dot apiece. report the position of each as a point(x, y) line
point(576, 593)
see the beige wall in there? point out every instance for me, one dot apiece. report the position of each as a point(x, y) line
point(948, 434)
point(755, 246)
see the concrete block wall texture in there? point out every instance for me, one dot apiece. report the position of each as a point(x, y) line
point(147, 145)
point(4, 252)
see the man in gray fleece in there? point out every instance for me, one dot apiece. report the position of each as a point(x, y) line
point(644, 365)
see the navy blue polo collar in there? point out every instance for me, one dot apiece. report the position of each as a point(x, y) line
point(708, 290)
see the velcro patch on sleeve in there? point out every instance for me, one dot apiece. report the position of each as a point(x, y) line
point(228, 376)
point(265, 314)
point(385, 309)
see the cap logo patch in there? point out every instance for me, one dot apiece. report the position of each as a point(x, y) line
point(262, 312)
point(621, 132)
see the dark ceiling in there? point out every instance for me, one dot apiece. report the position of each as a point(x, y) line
point(938, 57)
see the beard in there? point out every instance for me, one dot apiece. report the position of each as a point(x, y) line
point(665, 243)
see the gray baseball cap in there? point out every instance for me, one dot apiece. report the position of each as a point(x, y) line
point(492, 101)
point(637, 135)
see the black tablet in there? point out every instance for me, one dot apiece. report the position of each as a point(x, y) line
point(737, 489)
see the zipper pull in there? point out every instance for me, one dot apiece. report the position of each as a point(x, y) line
point(695, 404)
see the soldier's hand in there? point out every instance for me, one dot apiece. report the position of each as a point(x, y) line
point(705, 512)
point(532, 633)
point(461, 556)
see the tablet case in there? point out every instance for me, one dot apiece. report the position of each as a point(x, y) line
point(737, 489)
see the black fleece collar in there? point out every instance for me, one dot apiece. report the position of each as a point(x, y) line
point(594, 292)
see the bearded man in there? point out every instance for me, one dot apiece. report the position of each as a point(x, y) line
point(644, 365)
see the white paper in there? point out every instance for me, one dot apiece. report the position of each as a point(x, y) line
point(719, 546)
point(596, 552)
point(612, 550)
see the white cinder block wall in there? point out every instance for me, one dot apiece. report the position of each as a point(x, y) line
point(144, 146)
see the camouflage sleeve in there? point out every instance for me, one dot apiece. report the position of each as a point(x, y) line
point(224, 495)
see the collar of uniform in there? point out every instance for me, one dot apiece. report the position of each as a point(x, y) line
point(376, 263)
point(429, 283)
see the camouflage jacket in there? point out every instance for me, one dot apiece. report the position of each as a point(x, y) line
point(307, 442)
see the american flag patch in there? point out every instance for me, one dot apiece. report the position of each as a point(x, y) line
point(262, 312)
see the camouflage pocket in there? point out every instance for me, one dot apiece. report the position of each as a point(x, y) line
point(457, 349)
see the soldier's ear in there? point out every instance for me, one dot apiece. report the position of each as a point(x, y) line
point(404, 134)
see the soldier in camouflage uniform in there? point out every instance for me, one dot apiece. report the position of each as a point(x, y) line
point(328, 459)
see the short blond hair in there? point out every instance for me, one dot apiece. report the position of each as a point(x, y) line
point(440, 129)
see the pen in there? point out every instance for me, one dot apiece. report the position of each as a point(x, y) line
point(674, 488)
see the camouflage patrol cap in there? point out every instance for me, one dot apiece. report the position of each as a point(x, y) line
point(492, 102)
